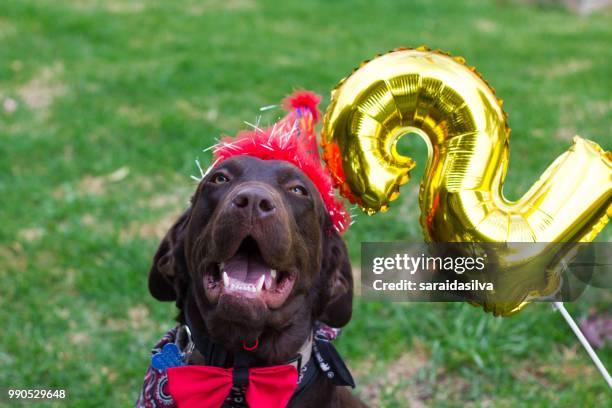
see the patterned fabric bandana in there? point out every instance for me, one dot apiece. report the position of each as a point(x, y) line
point(156, 393)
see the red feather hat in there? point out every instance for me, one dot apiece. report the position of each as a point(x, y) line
point(292, 139)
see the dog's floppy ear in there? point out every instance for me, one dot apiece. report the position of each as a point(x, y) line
point(337, 297)
point(169, 270)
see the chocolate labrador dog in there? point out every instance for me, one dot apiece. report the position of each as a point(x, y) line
point(254, 264)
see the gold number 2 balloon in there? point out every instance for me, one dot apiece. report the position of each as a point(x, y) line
point(458, 115)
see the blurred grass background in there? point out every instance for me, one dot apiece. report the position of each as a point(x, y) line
point(106, 104)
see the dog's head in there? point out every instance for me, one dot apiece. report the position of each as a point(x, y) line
point(257, 254)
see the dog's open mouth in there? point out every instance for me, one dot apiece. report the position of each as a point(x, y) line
point(246, 274)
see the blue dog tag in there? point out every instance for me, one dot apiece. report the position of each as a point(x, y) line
point(169, 356)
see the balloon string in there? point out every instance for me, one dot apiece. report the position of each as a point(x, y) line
point(585, 343)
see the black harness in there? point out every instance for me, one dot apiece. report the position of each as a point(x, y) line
point(324, 361)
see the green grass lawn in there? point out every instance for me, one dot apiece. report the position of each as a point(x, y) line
point(105, 104)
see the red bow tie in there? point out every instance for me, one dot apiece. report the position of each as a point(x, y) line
point(206, 386)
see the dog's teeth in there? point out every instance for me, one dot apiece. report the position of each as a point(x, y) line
point(273, 273)
point(260, 283)
point(241, 286)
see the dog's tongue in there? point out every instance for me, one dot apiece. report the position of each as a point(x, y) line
point(247, 267)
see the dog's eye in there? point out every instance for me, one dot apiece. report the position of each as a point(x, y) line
point(219, 178)
point(298, 190)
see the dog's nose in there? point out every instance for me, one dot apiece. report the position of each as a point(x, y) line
point(255, 200)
